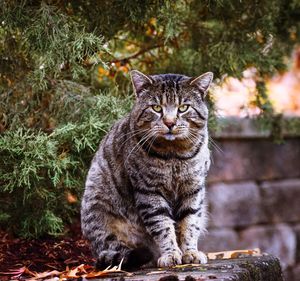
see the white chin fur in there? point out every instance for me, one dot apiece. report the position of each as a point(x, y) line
point(169, 137)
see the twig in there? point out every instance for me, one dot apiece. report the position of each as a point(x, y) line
point(139, 53)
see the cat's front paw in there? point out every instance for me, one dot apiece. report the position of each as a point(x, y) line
point(194, 256)
point(170, 259)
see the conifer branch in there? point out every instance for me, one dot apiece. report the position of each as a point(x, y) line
point(137, 54)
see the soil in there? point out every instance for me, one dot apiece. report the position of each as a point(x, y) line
point(47, 253)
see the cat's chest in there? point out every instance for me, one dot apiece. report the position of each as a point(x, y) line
point(172, 175)
point(179, 177)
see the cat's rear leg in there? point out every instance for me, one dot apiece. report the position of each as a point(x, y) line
point(133, 258)
point(114, 232)
point(118, 240)
point(113, 251)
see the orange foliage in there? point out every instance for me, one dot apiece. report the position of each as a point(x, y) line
point(237, 97)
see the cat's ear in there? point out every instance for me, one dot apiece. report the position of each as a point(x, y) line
point(139, 81)
point(203, 82)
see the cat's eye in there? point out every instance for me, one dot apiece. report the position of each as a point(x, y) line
point(157, 108)
point(183, 108)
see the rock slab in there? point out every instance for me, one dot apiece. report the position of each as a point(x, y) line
point(262, 268)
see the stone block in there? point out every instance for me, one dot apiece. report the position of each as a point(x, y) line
point(237, 204)
point(292, 273)
point(254, 159)
point(279, 240)
point(262, 268)
point(281, 200)
point(296, 228)
point(218, 240)
point(234, 127)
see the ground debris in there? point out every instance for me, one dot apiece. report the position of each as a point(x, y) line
point(64, 258)
point(41, 255)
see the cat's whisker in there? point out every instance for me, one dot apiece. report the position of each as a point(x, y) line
point(194, 137)
point(154, 134)
point(196, 133)
point(151, 142)
point(131, 136)
point(137, 145)
point(134, 132)
point(215, 145)
point(140, 142)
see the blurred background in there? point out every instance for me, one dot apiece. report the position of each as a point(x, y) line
point(64, 79)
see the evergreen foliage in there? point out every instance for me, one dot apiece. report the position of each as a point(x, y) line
point(64, 80)
point(42, 174)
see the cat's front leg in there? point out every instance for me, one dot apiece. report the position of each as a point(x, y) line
point(190, 231)
point(158, 221)
point(191, 223)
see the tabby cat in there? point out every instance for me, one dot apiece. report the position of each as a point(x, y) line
point(144, 199)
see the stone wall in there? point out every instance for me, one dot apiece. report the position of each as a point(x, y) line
point(254, 196)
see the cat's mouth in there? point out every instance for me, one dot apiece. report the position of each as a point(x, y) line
point(169, 136)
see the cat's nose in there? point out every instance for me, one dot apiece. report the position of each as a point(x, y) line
point(170, 122)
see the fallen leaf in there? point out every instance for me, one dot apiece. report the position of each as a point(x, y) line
point(76, 272)
point(70, 261)
point(44, 275)
point(16, 273)
point(156, 272)
point(109, 270)
point(82, 270)
point(233, 254)
point(71, 198)
point(187, 265)
point(71, 273)
point(102, 273)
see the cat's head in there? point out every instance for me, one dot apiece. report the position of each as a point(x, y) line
point(170, 106)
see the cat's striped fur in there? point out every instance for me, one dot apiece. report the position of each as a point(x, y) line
point(144, 198)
